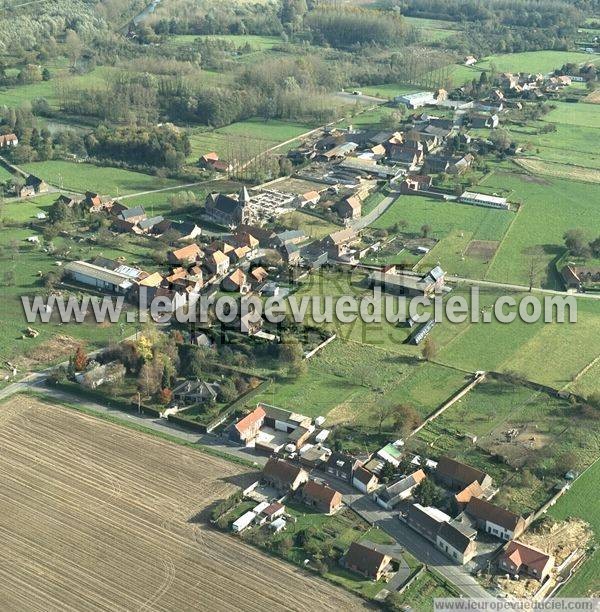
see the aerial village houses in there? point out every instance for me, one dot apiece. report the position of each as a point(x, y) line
point(364, 481)
point(185, 255)
point(8, 140)
point(321, 496)
point(449, 536)
point(284, 476)
point(518, 558)
point(391, 495)
point(246, 429)
point(341, 466)
point(367, 561)
point(495, 520)
point(457, 476)
point(196, 391)
point(350, 208)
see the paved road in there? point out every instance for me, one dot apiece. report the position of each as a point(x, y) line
point(371, 217)
point(418, 546)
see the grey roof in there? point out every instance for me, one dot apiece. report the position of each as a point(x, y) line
point(436, 273)
point(136, 211)
point(422, 520)
point(274, 412)
point(224, 203)
point(342, 462)
point(148, 223)
point(99, 273)
point(398, 280)
point(290, 235)
point(397, 488)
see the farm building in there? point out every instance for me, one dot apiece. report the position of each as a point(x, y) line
point(456, 475)
point(400, 283)
point(100, 278)
point(482, 199)
point(447, 535)
point(417, 99)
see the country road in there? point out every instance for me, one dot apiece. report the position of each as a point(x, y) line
point(511, 287)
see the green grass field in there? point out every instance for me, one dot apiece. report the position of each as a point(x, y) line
point(84, 177)
point(550, 208)
point(244, 139)
point(21, 94)
point(432, 30)
point(535, 61)
point(25, 262)
point(455, 225)
point(581, 501)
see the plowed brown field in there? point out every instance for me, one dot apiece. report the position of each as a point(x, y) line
point(95, 516)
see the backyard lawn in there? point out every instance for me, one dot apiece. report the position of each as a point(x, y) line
point(506, 429)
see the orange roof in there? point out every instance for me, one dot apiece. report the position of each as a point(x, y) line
point(250, 419)
point(472, 490)
point(212, 156)
point(241, 251)
point(259, 274)
point(311, 195)
point(187, 252)
point(237, 277)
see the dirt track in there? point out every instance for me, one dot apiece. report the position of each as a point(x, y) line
point(94, 516)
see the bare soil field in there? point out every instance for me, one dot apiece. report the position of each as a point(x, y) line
point(484, 249)
point(95, 516)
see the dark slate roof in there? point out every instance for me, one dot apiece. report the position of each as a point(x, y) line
point(459, 471)
point(456, 538)
point(224, 203)
point(423, 520)
point(486, 511)
point(366, 559)
point(341, 462)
